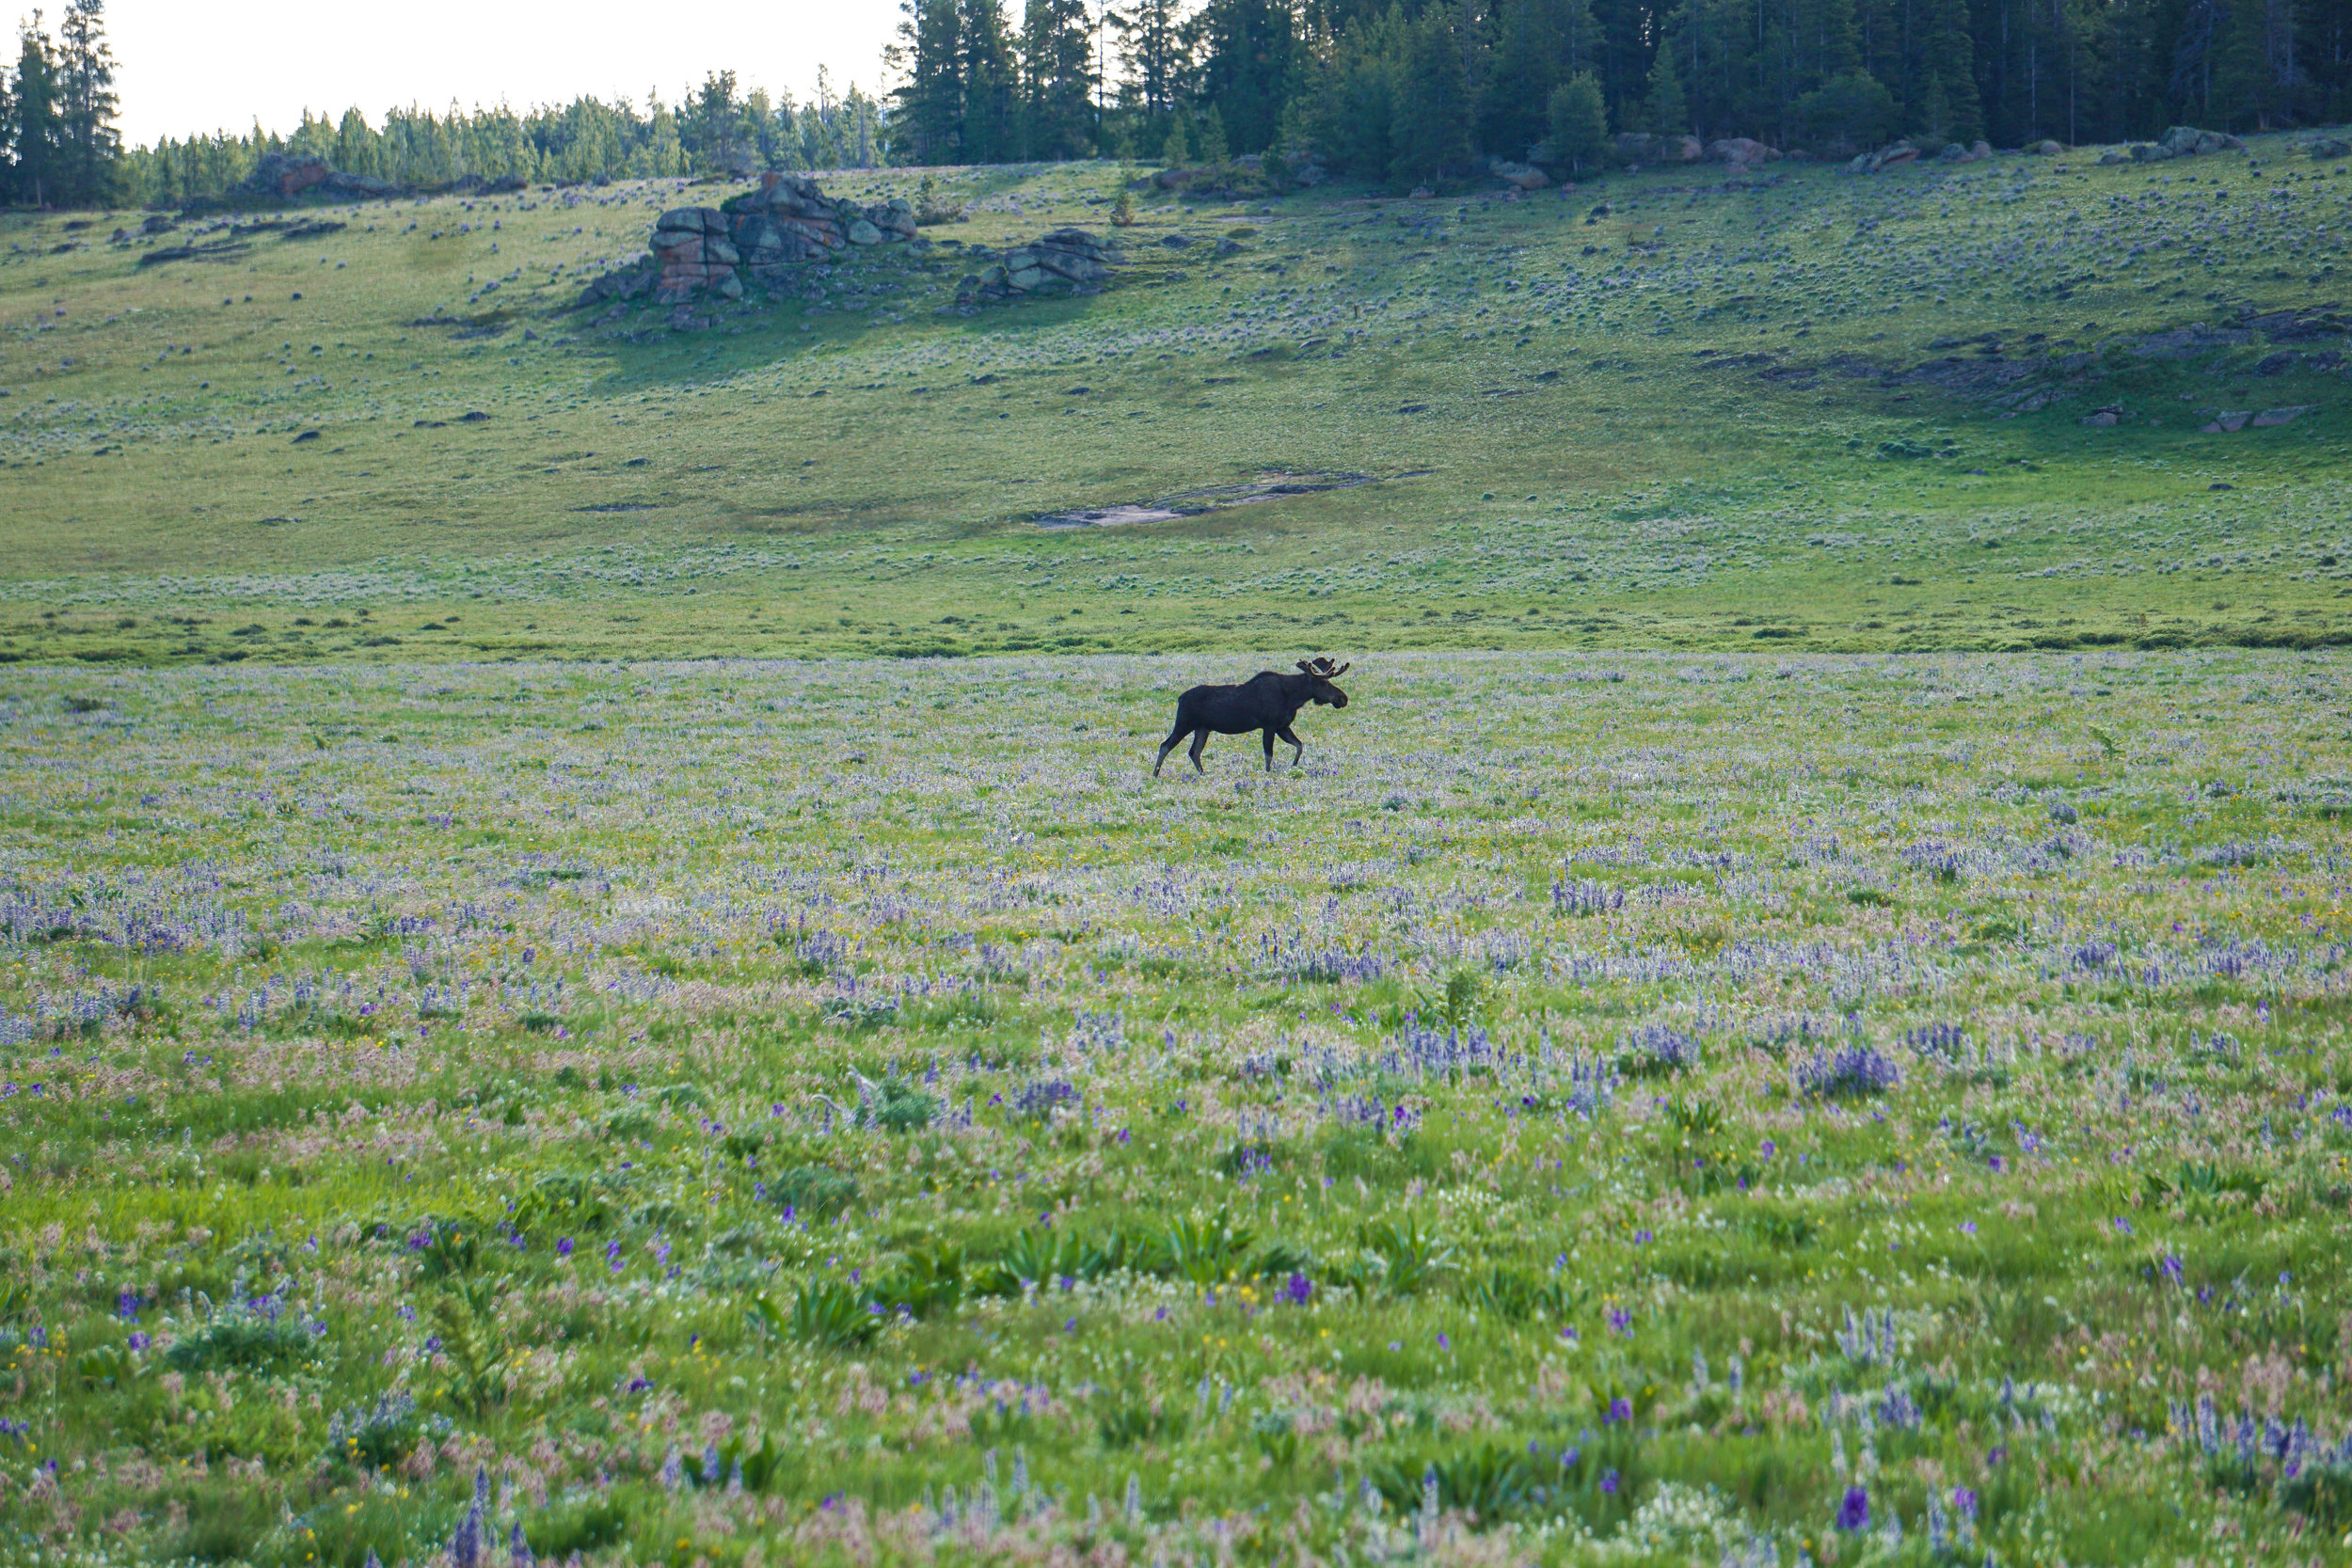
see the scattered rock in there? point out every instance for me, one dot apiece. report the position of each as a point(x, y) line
point(1065, 261)
point(1525, 177)
point(2226, 423)
point(2103, 419)
point(2181, 141)
point(2329, 146)
point(2270, 418)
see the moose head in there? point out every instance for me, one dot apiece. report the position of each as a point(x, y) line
point(1319, 673)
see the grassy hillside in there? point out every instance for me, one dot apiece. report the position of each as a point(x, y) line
point(1675, 408)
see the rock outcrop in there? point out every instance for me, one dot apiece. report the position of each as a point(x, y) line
point(2182, 141)
point(282, 176)
point(1064, 262)
point(760, 235)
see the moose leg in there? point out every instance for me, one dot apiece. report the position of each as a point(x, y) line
point(1174, 740)
point(1298, 749)
point(1199, 743)
point(1267, 735)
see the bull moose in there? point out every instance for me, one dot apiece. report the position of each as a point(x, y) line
point(1266, 701)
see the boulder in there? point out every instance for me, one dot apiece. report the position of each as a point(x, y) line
point(1740, 151)
point(1525, 177)
point(2186, 141)
point(1886, 157)
point(2329, 146)
point(2046, 148)
point(2270, 417)
point(2227, 422)
point(1064, 262)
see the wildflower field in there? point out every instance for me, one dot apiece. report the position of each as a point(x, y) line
point(1629, 1108)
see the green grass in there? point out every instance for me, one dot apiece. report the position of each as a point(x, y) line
point(1805, 965)
point(1668, 442)
point(546, 1070)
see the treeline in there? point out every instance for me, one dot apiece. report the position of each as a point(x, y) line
point(1414, 89)
point(715, 129)
point(58, 146)
point(1384, 89)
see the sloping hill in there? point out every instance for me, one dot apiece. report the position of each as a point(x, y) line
point(2026, 401)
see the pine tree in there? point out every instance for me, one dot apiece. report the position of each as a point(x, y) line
point(2257, 81)
point(90, 147)
point(928, 57)
point(1058, 80)
point(1175, 152)
point(1578, 122)
point(1530, 58)
point(1433, 100)
point(1214, 148)
point(1665, 111)
point(990, 83)
point(1156, 52)
point(35, 132)
point(1351, 112)
point(1955, 64)
point(1249, 55)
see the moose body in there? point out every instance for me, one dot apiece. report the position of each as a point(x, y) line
point(1268, 702)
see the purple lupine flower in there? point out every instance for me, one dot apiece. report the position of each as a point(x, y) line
point(1609, 1481)
point(1299, 1289)
point(563, 1246)
point(1620, 1322)
point(1620, 1409)
point(1855, 1512)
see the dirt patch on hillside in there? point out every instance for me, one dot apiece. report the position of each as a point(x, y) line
point(1212, 497)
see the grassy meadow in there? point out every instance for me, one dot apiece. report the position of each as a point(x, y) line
point(1799, 1017)
point(1671, 409)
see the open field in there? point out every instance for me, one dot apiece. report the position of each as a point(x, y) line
point(1671, 409)
point(1641, 1108)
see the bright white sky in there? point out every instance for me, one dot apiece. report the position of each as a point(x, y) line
point(191, 66)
